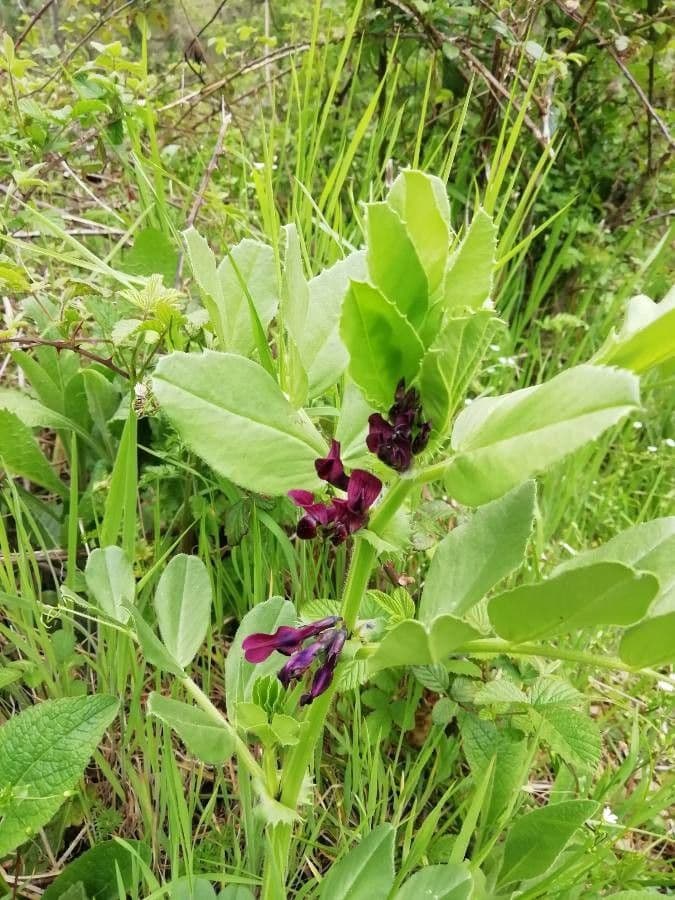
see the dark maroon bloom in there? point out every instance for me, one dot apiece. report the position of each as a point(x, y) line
point(324, 674)
point(339, 518)
point(330, 468)
point(329, 643)
point(286, 639)
point(405, 434)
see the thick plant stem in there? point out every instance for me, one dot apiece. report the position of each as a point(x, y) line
point(298, 760)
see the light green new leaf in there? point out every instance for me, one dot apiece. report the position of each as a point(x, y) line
point(393, 264)
point(383, 346)
point(210, 742)
point(537, 839)
point(240, 675)
point(413, 643)
point(323, 354)
point(154, 651)
point(294, 308)
point(233, 414)
point(110, 582)
point(421, 200)
point(475, 556)
point(450, 364)
point(43, 753)
point(649, 547)
point(21, 456)
point(183, 605)
point(366, 872)
point(650, 642)
point(203, 265)
point(468, 280)
point(196, 889)
point(602, 593)
point(352, 425)
point(252, 263)
point(501, 441)
point(450, 882)
point(646, 338)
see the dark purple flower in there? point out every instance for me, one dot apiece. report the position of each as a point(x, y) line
point(405, 433)
point(330, 468)
point(286, 639)
point(324, 674)
point(315, 514)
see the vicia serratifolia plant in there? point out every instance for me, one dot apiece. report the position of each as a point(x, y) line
point(347, 394)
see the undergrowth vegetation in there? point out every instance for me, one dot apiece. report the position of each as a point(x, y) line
point(337, 541)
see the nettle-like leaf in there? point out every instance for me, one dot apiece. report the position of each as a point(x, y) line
point(110, 581)
point(648, 547)
point(475, 556)
point(241, 675)
point(383, 346)
point(602, 593)
point(210, 741)
point(538, 838)
point(365, 872)
point(183, 605)
point(233, 414)
point(421, 201)
point(43, 753)
point(647, 337)
point(501, 441)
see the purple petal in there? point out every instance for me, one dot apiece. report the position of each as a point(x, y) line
point(364, 489)
point(303, 499)
point(258, 647)
point(306, 528)
point(299, 662)
point(379, 430)
point(320, 683)
point(330, 468)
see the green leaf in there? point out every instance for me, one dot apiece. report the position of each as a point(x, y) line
point(501, 441)
point(183, 605)
point(537, 839)
point(646, 338)
point(209, 741)
point(449, 366)
point(468, 280)
point(323, 354)
point(110, 582)
point(252, 263)
point(352, 426)
point(43, 753)
point(481, 741)
point(650, 642)
point(21, 456)
point(154, 651)
point(421, 201)
point(449, 882)
point(192, 889)
point(393, 264)
point(569, 733)
point(413, 643)
point(233, 414)
point(599, 594)
point(152, 252)
point(383, 347)
point(203, 265)
point(366, 871)
point(236, 892)
point(240, 675)
point(31, 412)
point(649, 547)
point(478, 554)
point(96, 871)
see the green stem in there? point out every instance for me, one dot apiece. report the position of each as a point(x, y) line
point(299, 758)
point(496, 645)
point(243, 751)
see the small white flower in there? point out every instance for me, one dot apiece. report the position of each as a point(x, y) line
point(609, 817)
point(666, 686)
point(652, 448)
point(669, 442)
point(637, 425)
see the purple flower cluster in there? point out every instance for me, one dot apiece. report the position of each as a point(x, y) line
point(289, 641)
point(395, 441)
point(341, 517)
